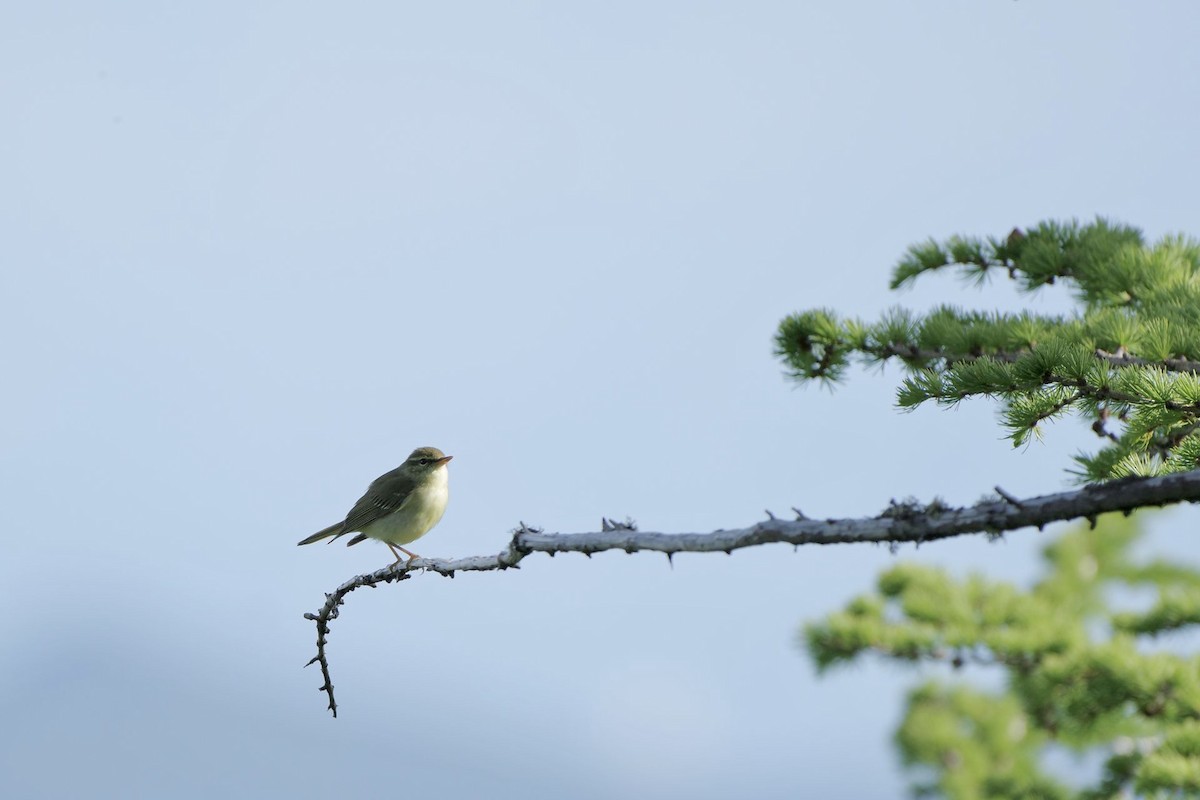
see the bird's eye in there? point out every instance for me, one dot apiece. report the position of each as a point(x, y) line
point(424, 462)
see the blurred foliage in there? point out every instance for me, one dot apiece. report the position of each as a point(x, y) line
point(1079, 671)
point(1128, 360)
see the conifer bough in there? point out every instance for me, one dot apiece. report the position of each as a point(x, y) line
point(1127, 360)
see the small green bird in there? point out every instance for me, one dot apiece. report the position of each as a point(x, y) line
point(400, 506)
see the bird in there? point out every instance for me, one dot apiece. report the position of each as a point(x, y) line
point(399, 507)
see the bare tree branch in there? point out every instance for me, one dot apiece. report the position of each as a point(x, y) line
point(900, 523)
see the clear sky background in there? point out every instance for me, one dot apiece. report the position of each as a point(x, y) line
point(254, 253)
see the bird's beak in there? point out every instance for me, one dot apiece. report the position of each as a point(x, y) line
point(443, 460)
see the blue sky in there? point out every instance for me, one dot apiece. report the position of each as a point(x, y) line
point(254, 254)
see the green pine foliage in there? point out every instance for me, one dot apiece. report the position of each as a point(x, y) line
point(1083, 650)
point(1080, 670)
point(1127, 360)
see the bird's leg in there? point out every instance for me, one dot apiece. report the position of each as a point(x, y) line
point(399, 558)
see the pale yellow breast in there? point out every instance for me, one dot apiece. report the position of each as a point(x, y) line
point(421, 511)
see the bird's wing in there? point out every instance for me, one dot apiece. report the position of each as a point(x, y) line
point(386, 495)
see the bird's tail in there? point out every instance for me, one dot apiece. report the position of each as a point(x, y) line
point(334, 530)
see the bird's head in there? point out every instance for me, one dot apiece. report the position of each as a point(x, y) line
point(425, 461)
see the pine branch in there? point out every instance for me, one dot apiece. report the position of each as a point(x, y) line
point(1178, 364)
point(914, 353)
point(1048, 252)
point(931, 386)
point(900, 523)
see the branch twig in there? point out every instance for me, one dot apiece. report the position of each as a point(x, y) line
point(900, 523)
